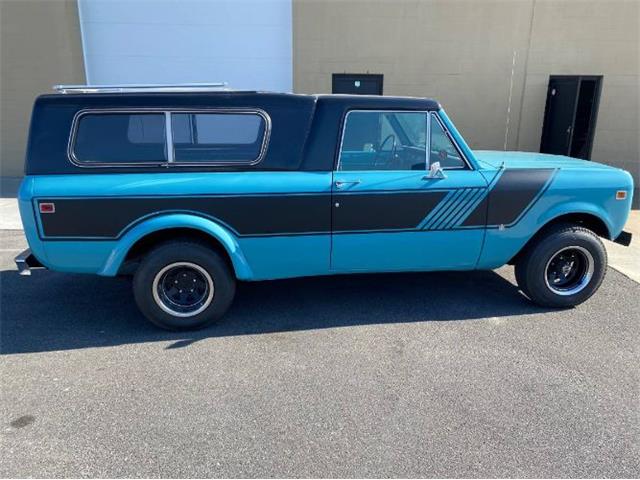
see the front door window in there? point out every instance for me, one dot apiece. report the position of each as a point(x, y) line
point(384, 141)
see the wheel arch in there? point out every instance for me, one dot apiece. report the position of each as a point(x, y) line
point(588, 220)
point(144, 236)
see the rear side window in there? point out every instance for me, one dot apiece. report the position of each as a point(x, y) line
point(217, 137)
point(120, 138)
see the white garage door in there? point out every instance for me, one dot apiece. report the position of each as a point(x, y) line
point(244, 43)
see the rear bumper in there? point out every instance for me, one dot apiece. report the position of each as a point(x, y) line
point(26, 261)
point(624, 238)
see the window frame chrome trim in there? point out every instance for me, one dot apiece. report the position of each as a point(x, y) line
point(168, 134)
point(169, 145)
point(266, 135)
point(453, 142)
point(427, 144)
point(101, 111)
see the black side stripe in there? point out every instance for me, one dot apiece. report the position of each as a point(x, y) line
point(303, 214)
point(403, 211)
point(515, 191)
point(248, 215)
point(245, 215)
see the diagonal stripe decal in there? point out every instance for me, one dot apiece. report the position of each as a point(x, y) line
point(445, 210)
point(461, 206)
point(436, 211)
point(470, 205)
point(458, 201)
point(512, 194)
point(509, 195)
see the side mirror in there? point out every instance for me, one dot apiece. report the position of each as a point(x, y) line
point(435, 171)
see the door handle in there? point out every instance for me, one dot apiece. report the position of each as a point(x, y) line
point(342, 183)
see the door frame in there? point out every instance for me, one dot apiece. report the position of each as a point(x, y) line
point(408, 249)
point(594, 112)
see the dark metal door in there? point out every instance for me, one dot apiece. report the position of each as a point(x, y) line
point(570, 115)
point(558, 119)
point(359, 84)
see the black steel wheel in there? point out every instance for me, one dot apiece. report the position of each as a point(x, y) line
point(183, 289)
point(563, 268)
point(570, 270)
point(183, 285)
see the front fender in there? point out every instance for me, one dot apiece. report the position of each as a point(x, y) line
point(502, 245)
point(177, 220)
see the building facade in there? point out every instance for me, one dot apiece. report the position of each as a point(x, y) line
point(503, 69)
point(488, 62)
point(39, 45)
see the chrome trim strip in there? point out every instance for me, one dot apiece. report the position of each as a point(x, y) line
point(166, 163)
point(168, 132)
point(141, 87)
point(427, 150)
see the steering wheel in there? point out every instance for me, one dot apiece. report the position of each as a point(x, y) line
point(378, 156)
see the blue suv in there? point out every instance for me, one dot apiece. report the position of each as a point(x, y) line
point(191, 190)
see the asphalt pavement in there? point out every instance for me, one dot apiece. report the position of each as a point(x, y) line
point(446, 375)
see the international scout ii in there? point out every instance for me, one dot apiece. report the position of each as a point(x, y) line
point(191, 189)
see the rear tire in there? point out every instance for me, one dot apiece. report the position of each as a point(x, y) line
point(563, 268)
point(183, 285)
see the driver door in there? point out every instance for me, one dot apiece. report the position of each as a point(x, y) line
point(388, 214)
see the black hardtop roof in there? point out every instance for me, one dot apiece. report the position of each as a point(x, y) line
point(304, 134)
point(172, 99)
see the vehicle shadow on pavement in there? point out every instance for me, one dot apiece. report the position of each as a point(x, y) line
point(53, 311)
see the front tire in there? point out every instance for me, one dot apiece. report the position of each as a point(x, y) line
point(183, 285)
point(563, 268)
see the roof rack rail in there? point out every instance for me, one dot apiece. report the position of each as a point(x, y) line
point(184, 87)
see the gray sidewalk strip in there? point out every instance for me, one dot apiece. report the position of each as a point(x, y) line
point(9, 214)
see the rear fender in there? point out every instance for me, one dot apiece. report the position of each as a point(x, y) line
point(178, 220)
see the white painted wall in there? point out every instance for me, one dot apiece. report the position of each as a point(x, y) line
point(247, 43)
